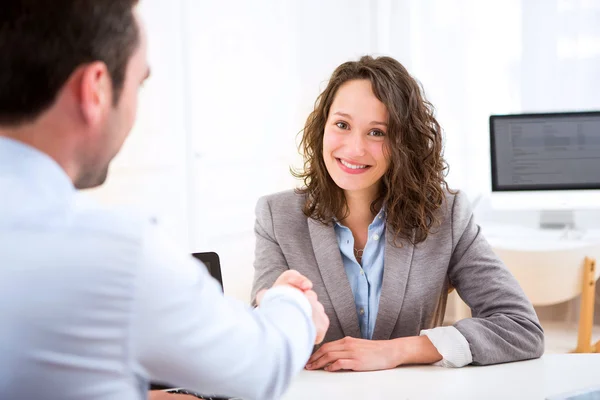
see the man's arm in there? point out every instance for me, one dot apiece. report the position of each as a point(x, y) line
point(186, 333)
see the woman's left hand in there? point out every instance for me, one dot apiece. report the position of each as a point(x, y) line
point(355, 354)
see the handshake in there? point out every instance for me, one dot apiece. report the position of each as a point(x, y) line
point(298, 281)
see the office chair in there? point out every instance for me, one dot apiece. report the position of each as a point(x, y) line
point(552, 277)
point(213, 264)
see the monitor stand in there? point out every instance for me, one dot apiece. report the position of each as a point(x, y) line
point(557, 219)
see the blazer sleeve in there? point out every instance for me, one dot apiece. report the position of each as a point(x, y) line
point(504, 326)
point(269, 261)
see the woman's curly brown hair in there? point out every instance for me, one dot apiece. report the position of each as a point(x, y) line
point(413, 188)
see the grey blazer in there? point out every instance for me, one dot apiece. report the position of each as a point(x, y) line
point(504, 326)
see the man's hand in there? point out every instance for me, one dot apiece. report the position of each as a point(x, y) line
point(291, 278)
point(320, 319)
point(298, 281)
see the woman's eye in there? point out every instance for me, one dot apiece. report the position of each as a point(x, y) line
point(341, 125)
point(376, 133)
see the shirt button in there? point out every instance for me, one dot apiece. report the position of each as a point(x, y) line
point(362, 311)
point(375, 237)
point(362, 271)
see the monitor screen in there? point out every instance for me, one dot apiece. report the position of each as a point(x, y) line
point(559, 151)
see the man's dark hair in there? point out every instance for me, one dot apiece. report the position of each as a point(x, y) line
point(42, 42)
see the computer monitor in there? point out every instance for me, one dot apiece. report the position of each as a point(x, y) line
point(548, 162)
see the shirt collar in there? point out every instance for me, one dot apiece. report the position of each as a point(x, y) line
point(34, 167)
point(379, 220)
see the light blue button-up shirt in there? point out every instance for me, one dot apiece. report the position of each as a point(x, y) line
point(95, 303)
point(365, 281)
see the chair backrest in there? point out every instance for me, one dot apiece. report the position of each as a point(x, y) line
point(213, 264)
point(549, 276)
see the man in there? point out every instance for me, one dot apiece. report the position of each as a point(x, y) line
point(94, 304)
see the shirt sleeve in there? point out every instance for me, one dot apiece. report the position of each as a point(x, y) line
point(186, 333)
point(451, 344)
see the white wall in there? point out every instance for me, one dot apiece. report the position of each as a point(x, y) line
point(151, 172)
point(233, 81)
point(477, 58)
point(256, 69)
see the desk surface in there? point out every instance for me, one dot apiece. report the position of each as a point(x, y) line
point(551, 375)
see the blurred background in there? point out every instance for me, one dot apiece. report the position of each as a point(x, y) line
point(234, 80)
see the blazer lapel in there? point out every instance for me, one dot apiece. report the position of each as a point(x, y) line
point(329, 260)
point(397, 263)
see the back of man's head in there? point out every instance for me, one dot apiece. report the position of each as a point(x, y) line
point(69, 74)
point(43, 41)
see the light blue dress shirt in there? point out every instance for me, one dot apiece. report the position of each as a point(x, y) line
point(95, 303)
point(365, 281)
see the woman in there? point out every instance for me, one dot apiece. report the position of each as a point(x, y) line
point(383, 239)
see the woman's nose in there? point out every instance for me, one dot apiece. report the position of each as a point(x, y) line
point(357, 144)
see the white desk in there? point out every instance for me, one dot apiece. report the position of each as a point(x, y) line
point(536, 379)
point(535, 239)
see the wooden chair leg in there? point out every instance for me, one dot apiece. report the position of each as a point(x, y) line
point(586, 313)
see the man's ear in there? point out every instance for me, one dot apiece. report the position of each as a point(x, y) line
point(95, 92)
